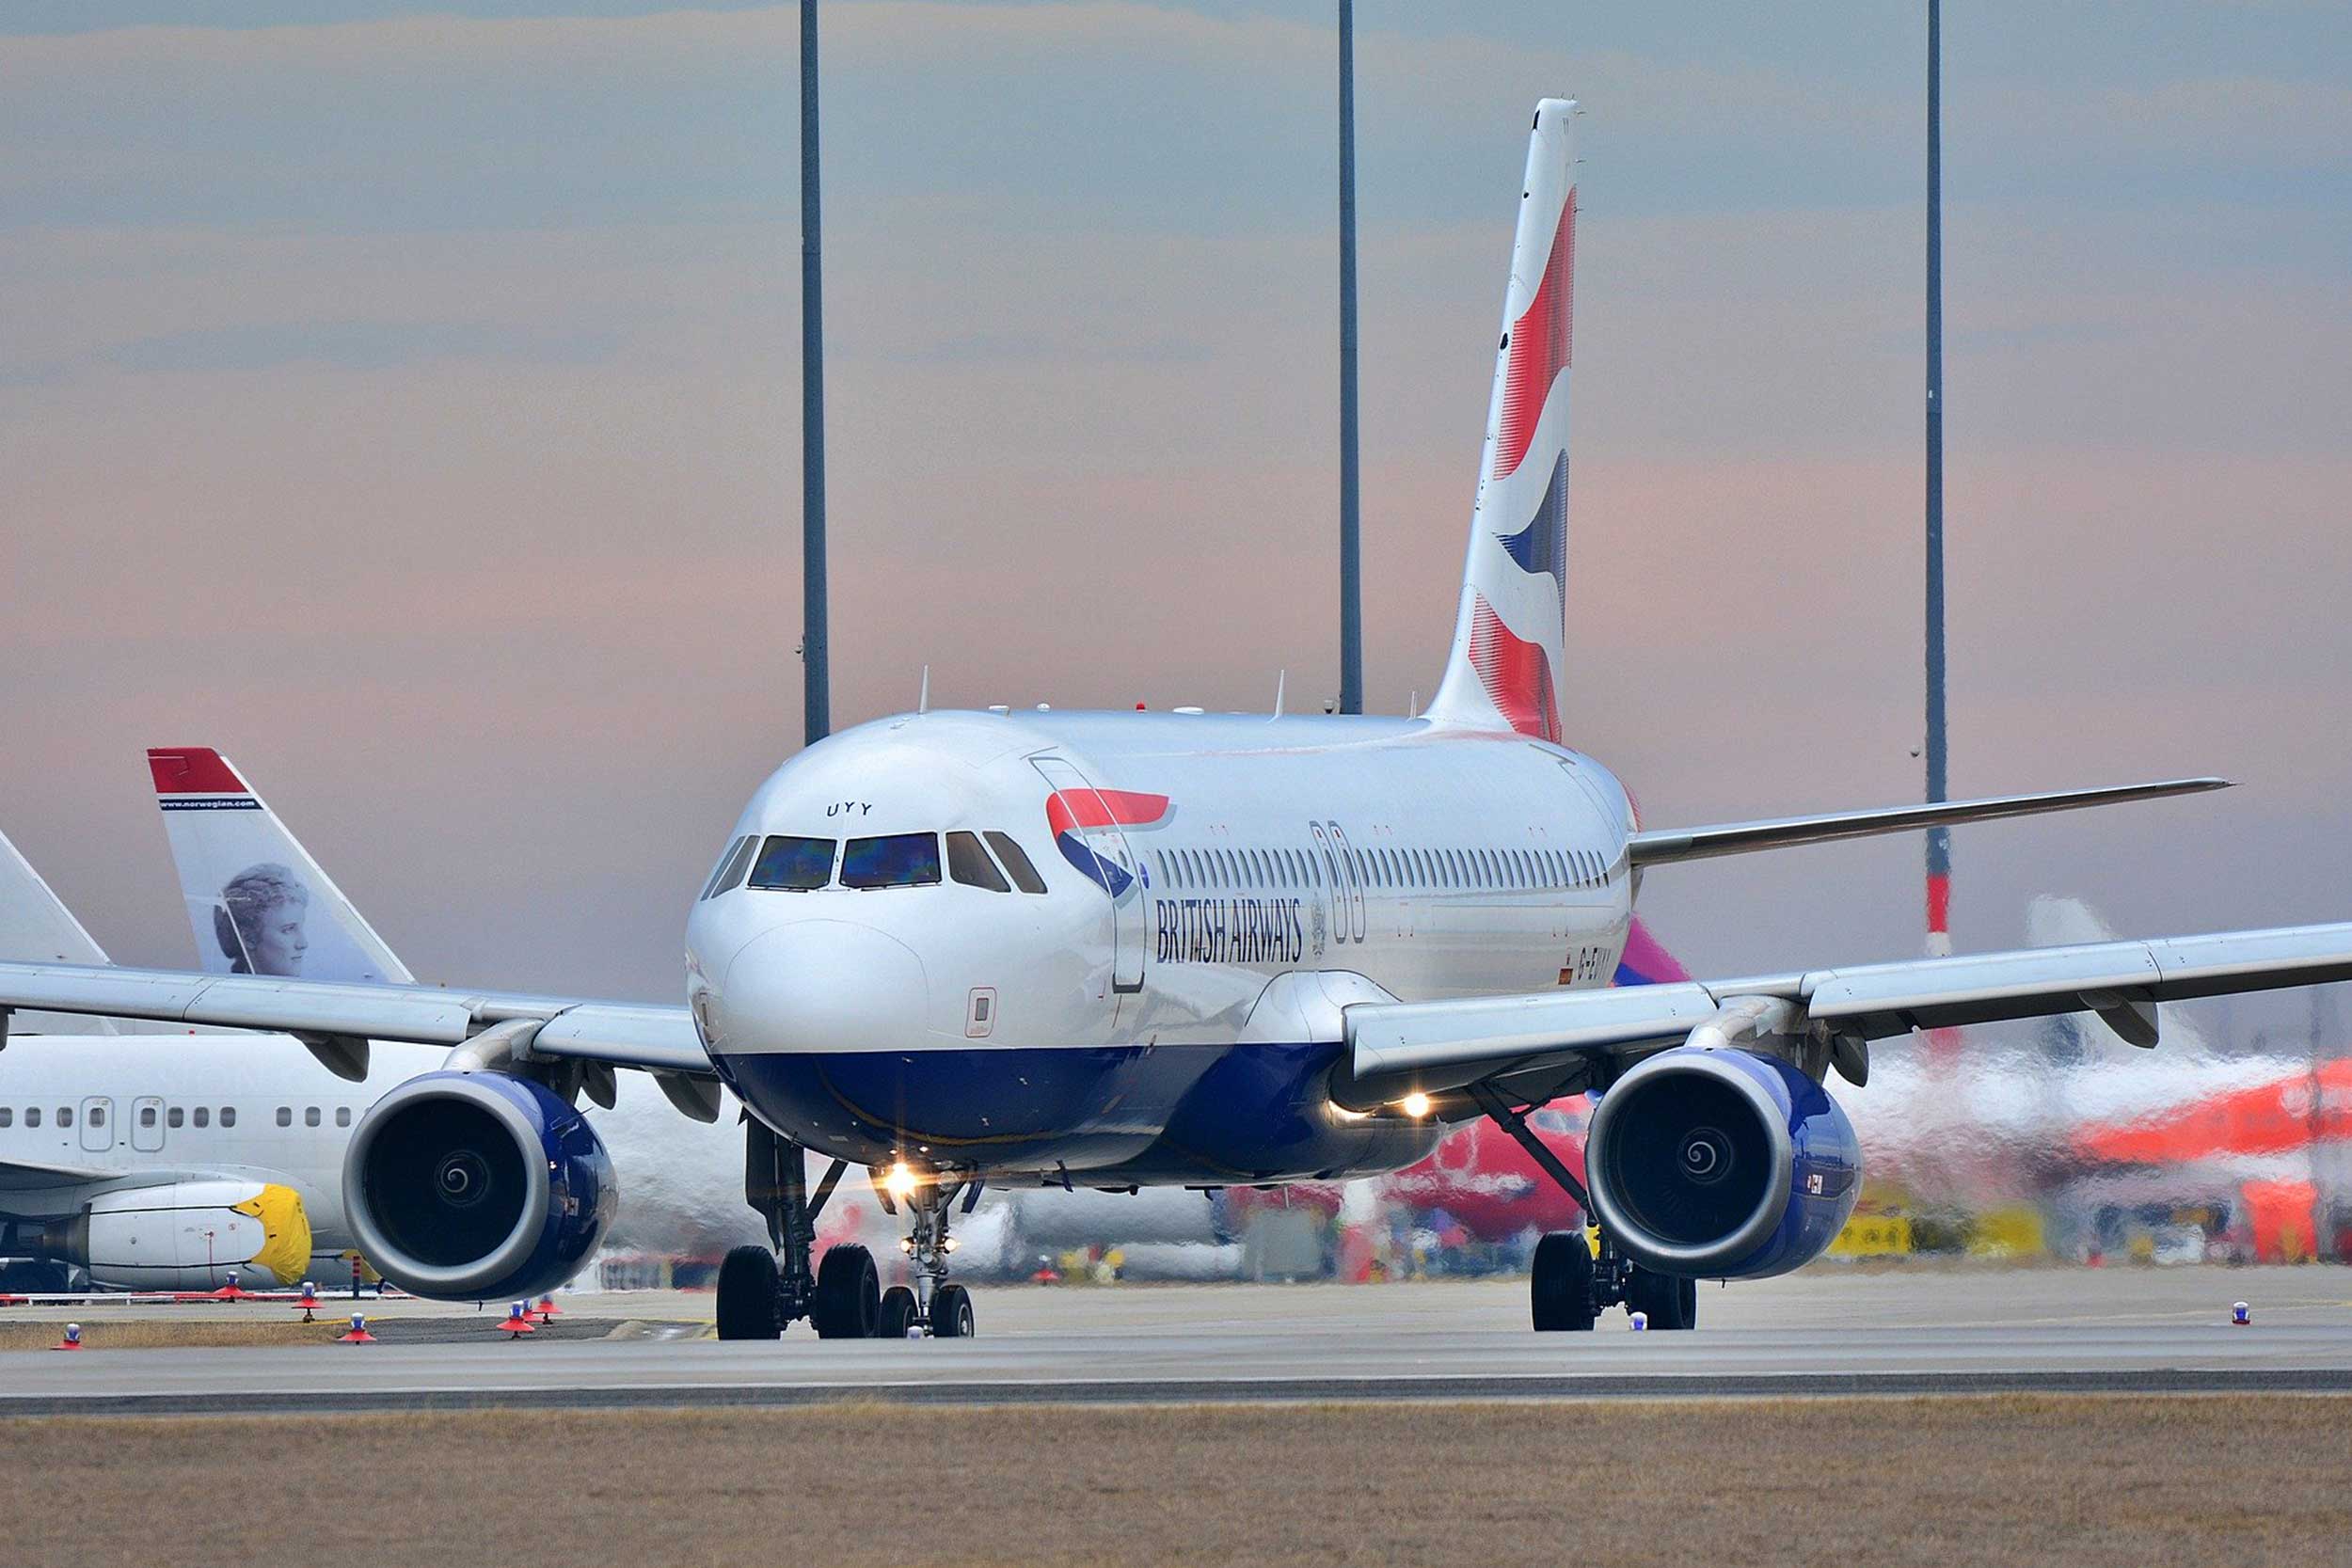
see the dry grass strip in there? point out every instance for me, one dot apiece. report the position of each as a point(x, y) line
point(2083, 1480)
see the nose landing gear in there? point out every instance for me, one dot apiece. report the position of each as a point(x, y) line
point(763, 1288)
point(933, 1306)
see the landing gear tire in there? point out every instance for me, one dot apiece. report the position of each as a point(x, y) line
point(748, 1307)
point(1670, 1301)
point(849, 1295)
point(898, 1313)
point(1561, 1288)
point(951, 1313)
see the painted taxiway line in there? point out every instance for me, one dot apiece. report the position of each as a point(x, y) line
point(1160, 1391)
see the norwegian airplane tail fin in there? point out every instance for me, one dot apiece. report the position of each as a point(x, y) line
point(1506, 667)
point(257, 903)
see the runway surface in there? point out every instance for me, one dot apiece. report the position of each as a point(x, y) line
point(1827, 1332)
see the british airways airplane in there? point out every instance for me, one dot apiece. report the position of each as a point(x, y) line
point(1120, 949)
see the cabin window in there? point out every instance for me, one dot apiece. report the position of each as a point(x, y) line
point(203, 1116)
point(968, 864)
point(310, 1116)
point(175, 1117)
point(229, 1115)
point(8, 1117)
point(65, 1116)
point(343, 1115)
point(1015, 861)
point(892, 859)
point(285, 1115)
point(97, 1116)
point(32, 1115)
point(146, 1116)
point(790, 864)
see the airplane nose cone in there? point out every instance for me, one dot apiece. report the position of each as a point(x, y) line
point(821, 986)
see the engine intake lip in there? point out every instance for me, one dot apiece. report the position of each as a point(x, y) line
point(400, 1263)
point(1625, 1099)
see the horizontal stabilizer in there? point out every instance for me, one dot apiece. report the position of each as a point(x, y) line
point(1780, 833)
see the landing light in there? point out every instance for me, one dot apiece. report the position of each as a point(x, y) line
point(900, 1182)
point(1415, 1105)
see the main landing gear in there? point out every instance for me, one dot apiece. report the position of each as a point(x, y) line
point(1572, 1283)
point(762, 1290)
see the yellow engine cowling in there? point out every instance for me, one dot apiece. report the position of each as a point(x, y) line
point(188, 1235)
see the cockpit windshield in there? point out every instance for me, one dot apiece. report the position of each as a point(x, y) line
point(896, 860)
point(795, 865)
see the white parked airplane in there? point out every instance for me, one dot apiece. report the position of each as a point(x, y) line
point(97, 1142)
point(1120, 949)
point(162, 1161)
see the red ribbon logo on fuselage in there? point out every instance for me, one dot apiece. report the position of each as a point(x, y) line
point(1068, 812)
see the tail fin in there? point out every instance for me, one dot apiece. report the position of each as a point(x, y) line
point(37, 927)
point(258, 902)
point(1506, 667)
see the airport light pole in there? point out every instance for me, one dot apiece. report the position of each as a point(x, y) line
point(815, 674)
point(1351, 562)
point(1939, 839)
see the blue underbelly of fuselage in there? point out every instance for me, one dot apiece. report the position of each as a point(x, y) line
point(1108, 1115)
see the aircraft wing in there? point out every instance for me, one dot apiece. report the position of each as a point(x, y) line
point(1780, 833)
point(17, 1176)
point(1549, 1043)
point(619, 1033)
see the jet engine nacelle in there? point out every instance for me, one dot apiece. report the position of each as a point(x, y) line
point(186, 1236)
point(477, 1186)
point(1720, 1163)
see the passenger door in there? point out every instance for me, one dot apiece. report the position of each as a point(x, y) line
point(1116, 868)
point(98, 1124)
point(147, 1123)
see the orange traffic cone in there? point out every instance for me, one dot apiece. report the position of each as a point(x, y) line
point(518, 1322)
point(357, 1334)
point(72, 1339)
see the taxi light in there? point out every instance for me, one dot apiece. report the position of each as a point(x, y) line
point(1415, 1105)
point(900, 1182)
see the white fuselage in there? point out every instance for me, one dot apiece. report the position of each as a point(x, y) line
point(1217, 889)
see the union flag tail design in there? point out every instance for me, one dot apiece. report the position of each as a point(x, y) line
point(1506, 667)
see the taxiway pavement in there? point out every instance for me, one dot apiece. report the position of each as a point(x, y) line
point(1827, 1332)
